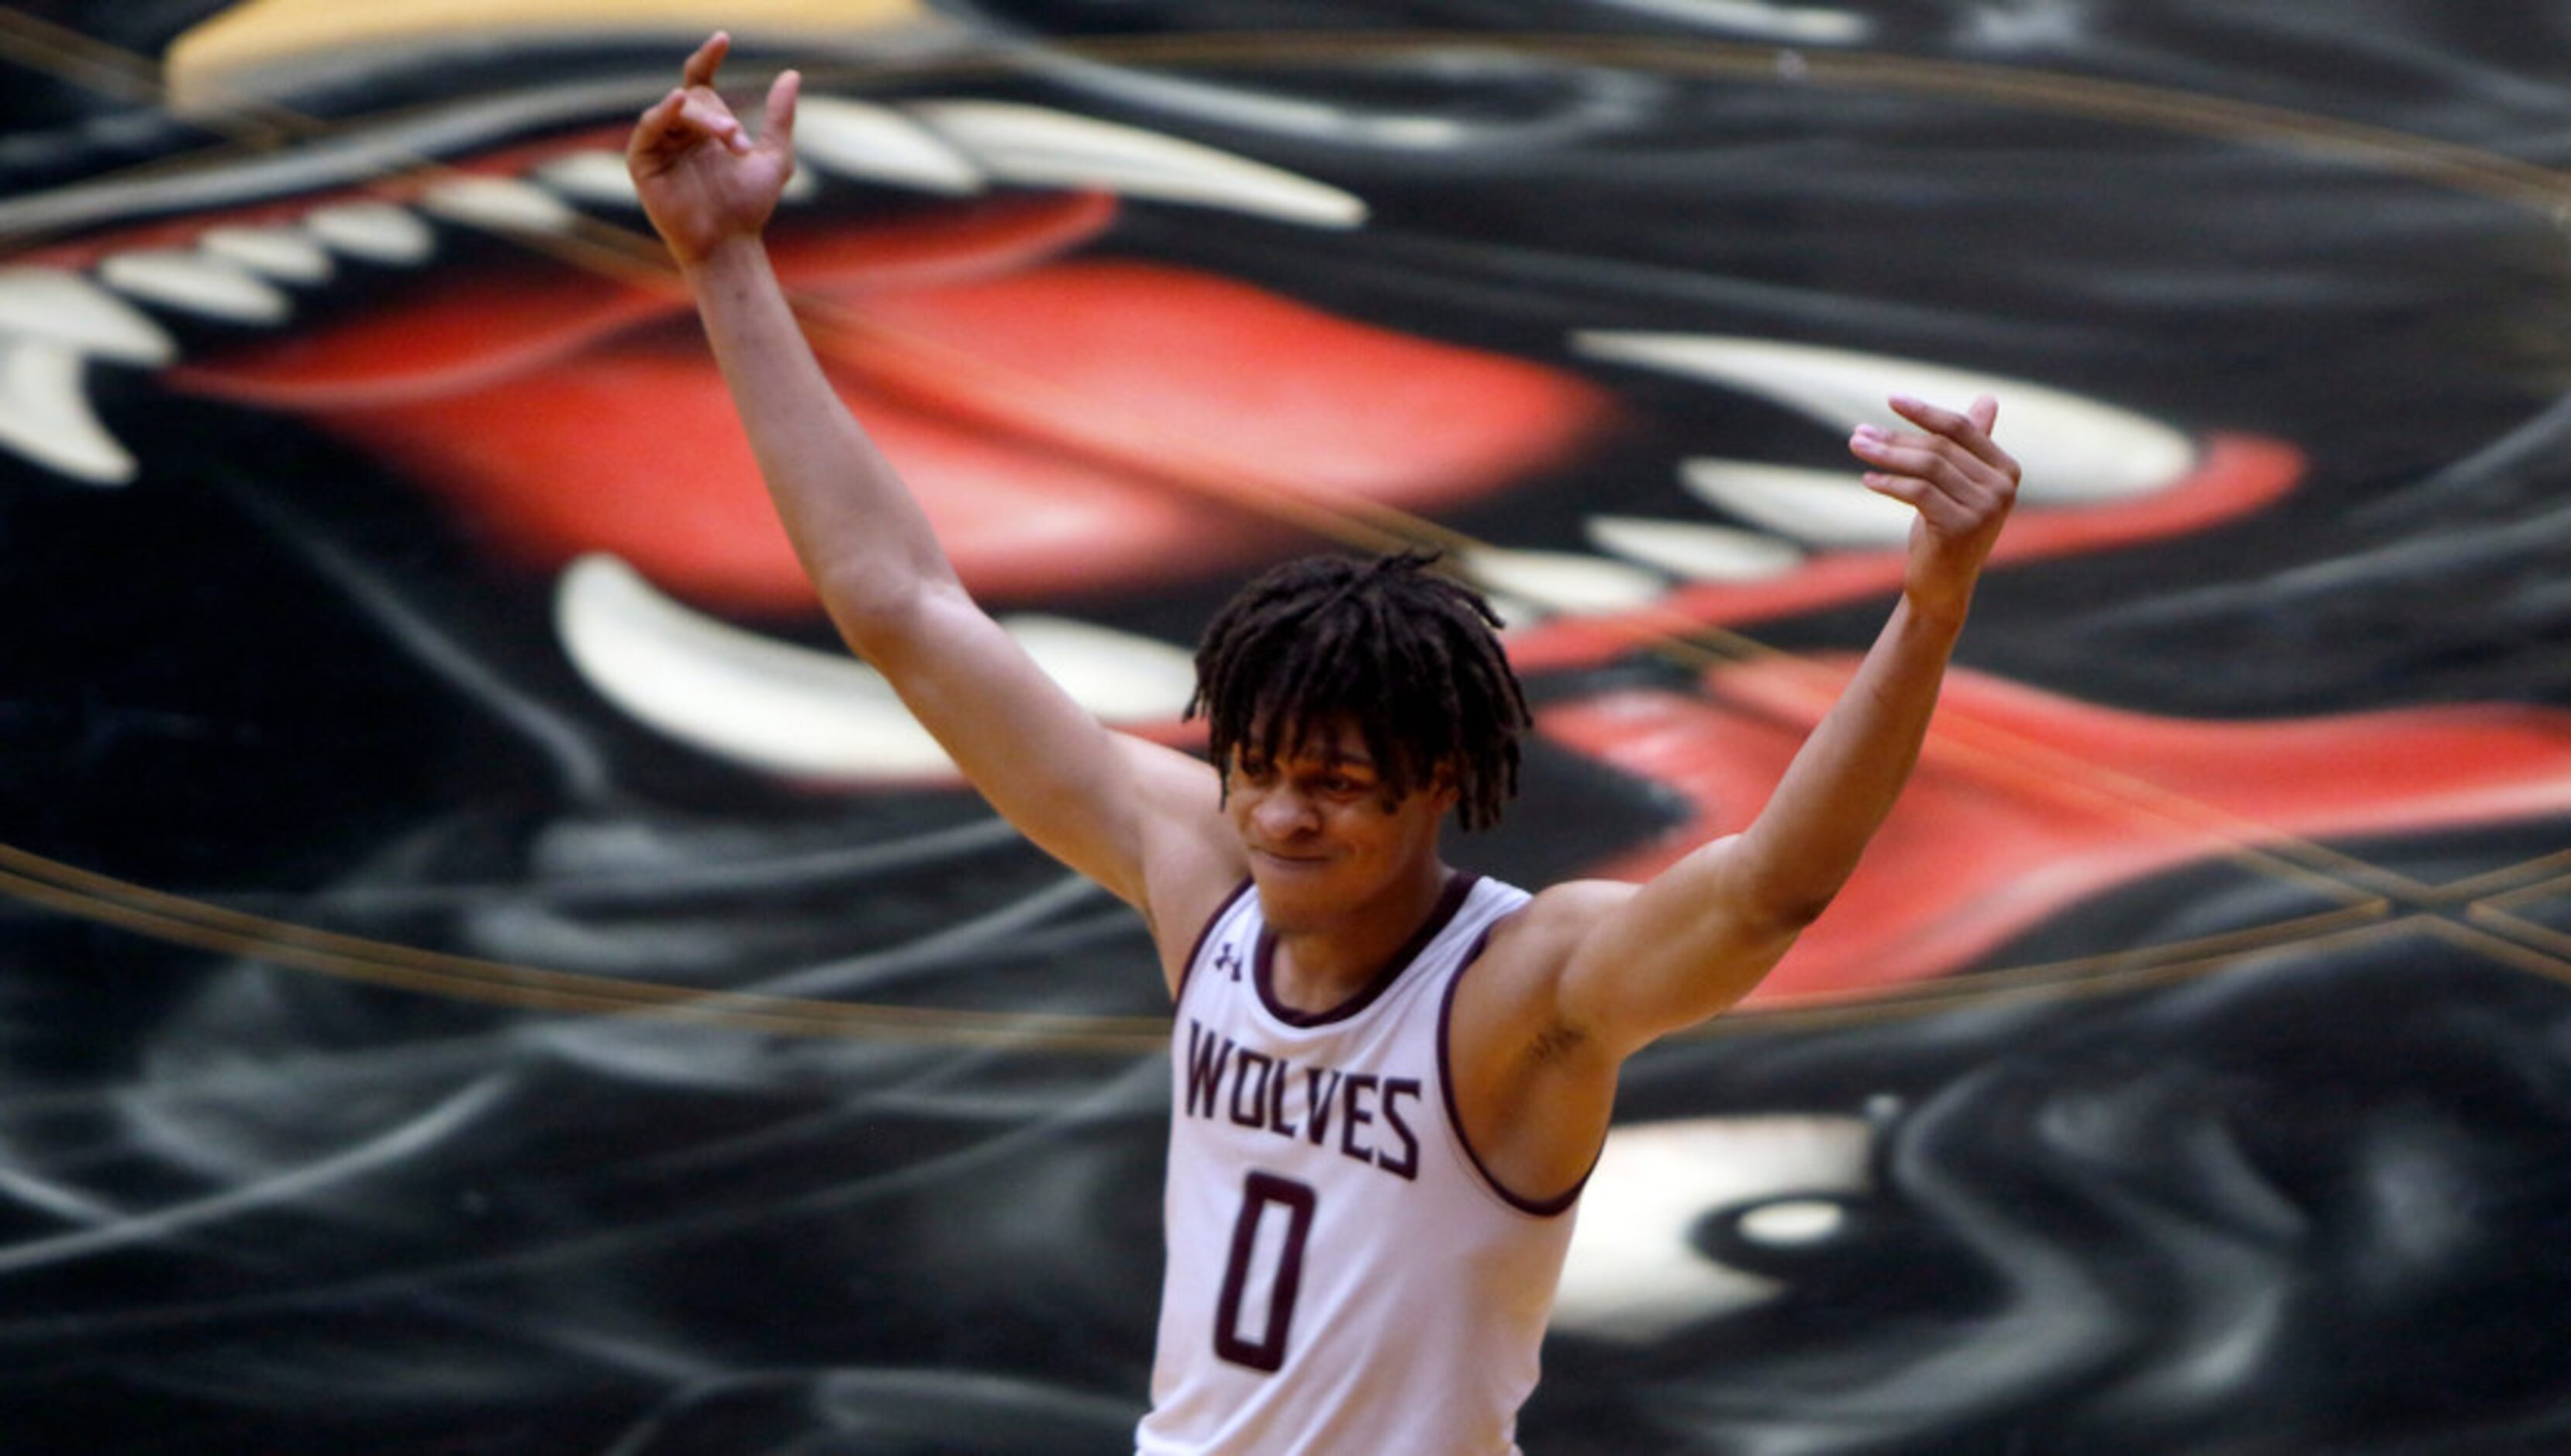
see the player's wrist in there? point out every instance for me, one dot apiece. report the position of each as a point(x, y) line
point(730, 255)
point(1938, 610)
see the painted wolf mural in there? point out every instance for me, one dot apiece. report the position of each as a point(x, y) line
point(484, 972)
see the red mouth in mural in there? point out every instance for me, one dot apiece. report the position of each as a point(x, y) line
point(1088, 425)
point(1069, 425)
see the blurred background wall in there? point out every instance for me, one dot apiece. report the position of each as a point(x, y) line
point(480, 971)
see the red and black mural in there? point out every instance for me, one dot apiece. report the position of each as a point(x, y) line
point(481, 971)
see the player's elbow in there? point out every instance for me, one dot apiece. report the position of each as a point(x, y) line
point(1777, 918)
point(879, 613)
point(874, 628)
point(1784, 896)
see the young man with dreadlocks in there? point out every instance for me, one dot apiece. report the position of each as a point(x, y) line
point(1389, 1080)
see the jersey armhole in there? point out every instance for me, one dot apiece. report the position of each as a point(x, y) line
point(1205, 933)
point(1550, 1207)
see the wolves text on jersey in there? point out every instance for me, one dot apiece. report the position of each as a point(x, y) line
point(1254, 1089)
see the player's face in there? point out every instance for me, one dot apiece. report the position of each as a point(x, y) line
point(1323, 840)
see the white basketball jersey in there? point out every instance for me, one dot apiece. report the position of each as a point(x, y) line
point(1344, 1279)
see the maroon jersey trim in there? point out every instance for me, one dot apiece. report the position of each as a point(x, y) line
point(1205, 933)
point(1451, 899)
point(1544, 1209)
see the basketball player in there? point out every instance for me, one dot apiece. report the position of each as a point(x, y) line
point(1389, 1080)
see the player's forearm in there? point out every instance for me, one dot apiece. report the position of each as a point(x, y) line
point(1842, 784)
point(859, 533)
point(1844, 781)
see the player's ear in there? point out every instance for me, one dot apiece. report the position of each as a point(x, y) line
point(1444, 788)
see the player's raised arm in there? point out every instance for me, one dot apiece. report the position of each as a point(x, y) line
point(1700, 935)
point(1113, 807)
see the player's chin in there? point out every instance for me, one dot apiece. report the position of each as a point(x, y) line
point(1294, 893)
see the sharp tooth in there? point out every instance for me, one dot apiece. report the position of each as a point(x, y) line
point(764, 705)
point(45, 414)
point(196, 283)
point(1562, 582)
point(1043, 147)
point(1115, 675)
point(596, 178)
point(1692, 550)
point(1816, 507)
point(1633, 1271)
point(276, 252)
point(67, 309)
point(2074, 449)
point(375, 231)
point(864, 142)
point(500, 204)
point(789, 709)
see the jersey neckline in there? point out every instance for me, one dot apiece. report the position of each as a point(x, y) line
point(1460, 883)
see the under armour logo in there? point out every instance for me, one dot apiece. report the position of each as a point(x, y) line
point(1227, 960)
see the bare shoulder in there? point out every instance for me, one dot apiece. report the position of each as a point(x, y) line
point(1192, 859)
point(1528, 952)
point(1555, 921)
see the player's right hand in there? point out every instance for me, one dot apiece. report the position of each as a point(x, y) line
point(1961, 484)
point(703, 179)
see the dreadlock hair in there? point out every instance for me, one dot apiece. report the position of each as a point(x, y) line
point(1406, 654)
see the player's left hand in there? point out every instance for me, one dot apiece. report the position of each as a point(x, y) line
point(1961, 484)
point(703, 180)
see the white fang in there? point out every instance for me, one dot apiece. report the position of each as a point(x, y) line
point(867, 143)
point(1117, 676)
point(1044, 147)
point(793, 710)
point(45, 414)
point(1693, 552)
point(276, 252)
point(1561, 583)
point(194, 282)
point(598, 178)
point(375, 232)
point(2075, 450)
point(67, 309)
point(1820, 508)
point(501, 205)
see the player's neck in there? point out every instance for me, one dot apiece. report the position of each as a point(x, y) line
point(1319, 967)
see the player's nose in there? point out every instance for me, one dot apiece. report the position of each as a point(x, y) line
point(1284, 810)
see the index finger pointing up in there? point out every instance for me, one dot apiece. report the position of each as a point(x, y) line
point(701, 67)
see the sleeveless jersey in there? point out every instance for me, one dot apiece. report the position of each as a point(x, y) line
point(1344, 1276)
